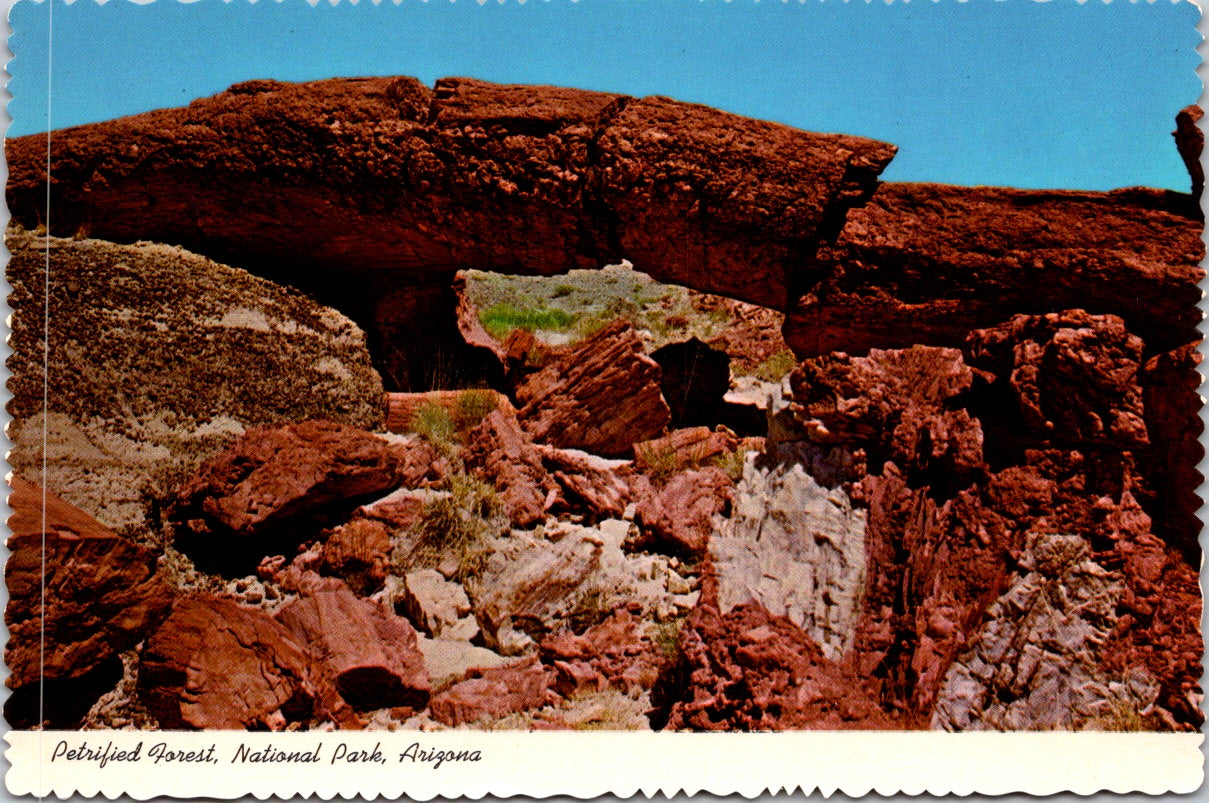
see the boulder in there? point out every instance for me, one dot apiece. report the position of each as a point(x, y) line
point(794, 546)
point(680, 517)
point(498, 451)
point(493, 693)
point(399, 510)
point(276, 485)
point(1073, 377)
point(370, 657)
point(619, 652)
point(749, 670)
point(530, 585)
point(216, 665)
point(602, 487)
point(230, 351)
point(603, 396)
point(684, 448)
point(929, 263)
point(433, 604)
point(78, 595)
point(359, 554)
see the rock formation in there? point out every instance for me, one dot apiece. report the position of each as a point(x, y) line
point(603, 396)
point(498, 450)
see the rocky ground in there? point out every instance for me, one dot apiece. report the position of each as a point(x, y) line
point(619, 504)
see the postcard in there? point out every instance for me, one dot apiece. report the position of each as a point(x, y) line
point(545, 397)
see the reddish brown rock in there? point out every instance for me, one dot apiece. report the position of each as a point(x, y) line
point(370, 657)
point(218, 665)
point(1172, 406)
point(679, 518)
point(500, 452)
point(1190, 141)
point(928, 263)
point(752, 335)
point(896, 405)
point(749, 670)
point(394, 176)
point(493, 693)
point(359, 554)
point(1074, 377)
point(102, 592)
point(617, 652)
point(274, 486)
point(602, 487)
point(466, 408)
point(601, 397)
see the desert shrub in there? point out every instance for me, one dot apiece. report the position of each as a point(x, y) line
point(562, 291)
point(1125, 715)
point(732, 463)
point(661, 463)
point(471, 407)
point(666, 638)
point(500, 319)
point(608, 710)
point(775, 367)
point(458, 524)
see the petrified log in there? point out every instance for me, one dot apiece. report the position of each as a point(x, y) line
point(602, 397)
point(393, 175)
point(500, 452)
point(679, 518)
point(218, 665)
point(464, 407)
point(358, 552)
point(370, 656)
point(928, 263)
point(494, 693)
point(102, 592)
point(602, 486)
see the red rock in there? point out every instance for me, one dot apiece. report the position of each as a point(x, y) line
point(281, 482)
point(601, 397)
point(680, 518)
point(519, 179)
point(218, 665)
point(749, 670)
point(1190, 141)
point(494, 693)
point(1074, 377)
point(399, 510)
point(752, 334)
point(500, 452)
point(928, 263)
point(358, 553)
point(370, 657)
point(602, 487)
point(102, 592)
point(895, 405)
point(1172, 406)
point(617, 652)
point(466, 408)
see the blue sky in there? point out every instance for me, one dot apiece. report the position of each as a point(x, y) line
point(1014, 92)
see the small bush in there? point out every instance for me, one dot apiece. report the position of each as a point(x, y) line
point(732, 463)
point(592, 606)
point(434, 424)
point(502, 318)
point(458, 524)
point(775, 367)
point(663, 463)
point(471, 407)
point(666, 637)
point(562, 291)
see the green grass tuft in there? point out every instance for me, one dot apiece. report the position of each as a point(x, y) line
point(500, 319)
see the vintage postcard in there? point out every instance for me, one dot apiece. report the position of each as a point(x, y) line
point(578, 398)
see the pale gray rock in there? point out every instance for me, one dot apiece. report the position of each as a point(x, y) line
point(433, 604)
point(1035, 663)
point(795, 547)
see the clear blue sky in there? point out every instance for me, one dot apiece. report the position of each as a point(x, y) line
point(1011, 92)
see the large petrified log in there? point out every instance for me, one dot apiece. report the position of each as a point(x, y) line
point(73, 607)
point(602, 397)
point(501, 452)
point(390, 174)
point(928, 263)
point(276, 486)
